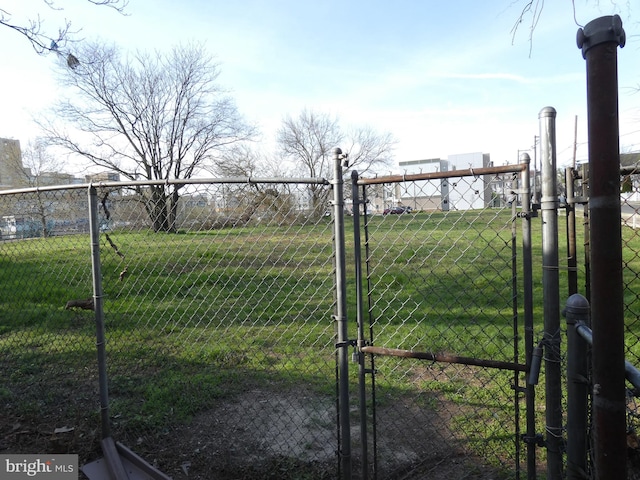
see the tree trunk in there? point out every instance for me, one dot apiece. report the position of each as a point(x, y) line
point(43, 216)
point(157, 208)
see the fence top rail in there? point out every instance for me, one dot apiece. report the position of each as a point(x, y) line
point(190, 181)
point(469, 172)
point(630, 169)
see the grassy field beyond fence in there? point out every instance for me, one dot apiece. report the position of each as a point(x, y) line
point(197, 319)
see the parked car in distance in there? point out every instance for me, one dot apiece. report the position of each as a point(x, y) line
point(396, 210)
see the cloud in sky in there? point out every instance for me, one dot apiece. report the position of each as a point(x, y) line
point(443, 77)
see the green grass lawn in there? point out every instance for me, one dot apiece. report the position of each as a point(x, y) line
point(200, 318)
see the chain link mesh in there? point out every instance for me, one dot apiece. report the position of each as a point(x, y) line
point(46, 352)
point(441, 280)
point(630, 221)
point(220, 340)
point(630, 205)
point(221, 346)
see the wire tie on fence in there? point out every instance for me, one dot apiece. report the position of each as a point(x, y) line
point(551, 267)
point(346, 343)
point(551, 360)
point(551, 430)
point(548, 337)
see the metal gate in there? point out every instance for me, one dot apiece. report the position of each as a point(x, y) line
point(443, 337)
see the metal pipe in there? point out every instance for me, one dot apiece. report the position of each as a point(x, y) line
point(362, 371)
point(599, 41)
point(468, 172)
point(445, 358)
point(527, 279)
point(372, 361)
point(516, 337)
point(577, 310)
point(630, 169)
point(535, 364)
point(631, 373)
point(551, 294)
point(572, 259)
point(98, 308)
point(341, 316)
point(175, 181)
point(584, 175)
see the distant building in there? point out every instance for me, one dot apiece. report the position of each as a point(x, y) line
point(423, 195)
point(52, 178)
point(10, 164)
point(630, 185)
point(451, 193)
point(13, 173)
point(102, 177)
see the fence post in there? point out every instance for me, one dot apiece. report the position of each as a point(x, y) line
point(361, 359)
point(341, 315)
point(599, 41)
point(99, 311)
point(527, 273)
point(550, 293)
point(577, 311)
point(572, 259)
point(584, 199)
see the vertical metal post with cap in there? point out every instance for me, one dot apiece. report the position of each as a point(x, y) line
point(599, 40)
point(551, 295)
point(527, 268)
point(343, 342)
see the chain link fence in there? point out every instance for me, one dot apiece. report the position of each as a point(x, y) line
point(630, 210)
point(444, 321)
point(219, 332)
point(221, 337)
point(47, 353)
point(578, 202)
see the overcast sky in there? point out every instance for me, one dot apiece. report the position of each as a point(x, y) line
point(444, 77)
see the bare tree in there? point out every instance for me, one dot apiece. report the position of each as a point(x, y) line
point(239, 161)
point(151, 117)
point(44, 41)
point(309, 139)
point(38, 167)
point(268, 201)
point(531, 13)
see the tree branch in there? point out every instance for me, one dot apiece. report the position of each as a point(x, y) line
point(43, 42)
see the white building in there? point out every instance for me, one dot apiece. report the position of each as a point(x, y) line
point(426, 194)
point(452, 193)
point(468, 193)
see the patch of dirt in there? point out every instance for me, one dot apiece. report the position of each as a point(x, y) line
point(258, 435)
point(292, 435)
point(262, 433)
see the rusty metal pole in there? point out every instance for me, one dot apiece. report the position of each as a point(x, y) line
point(599, 41)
